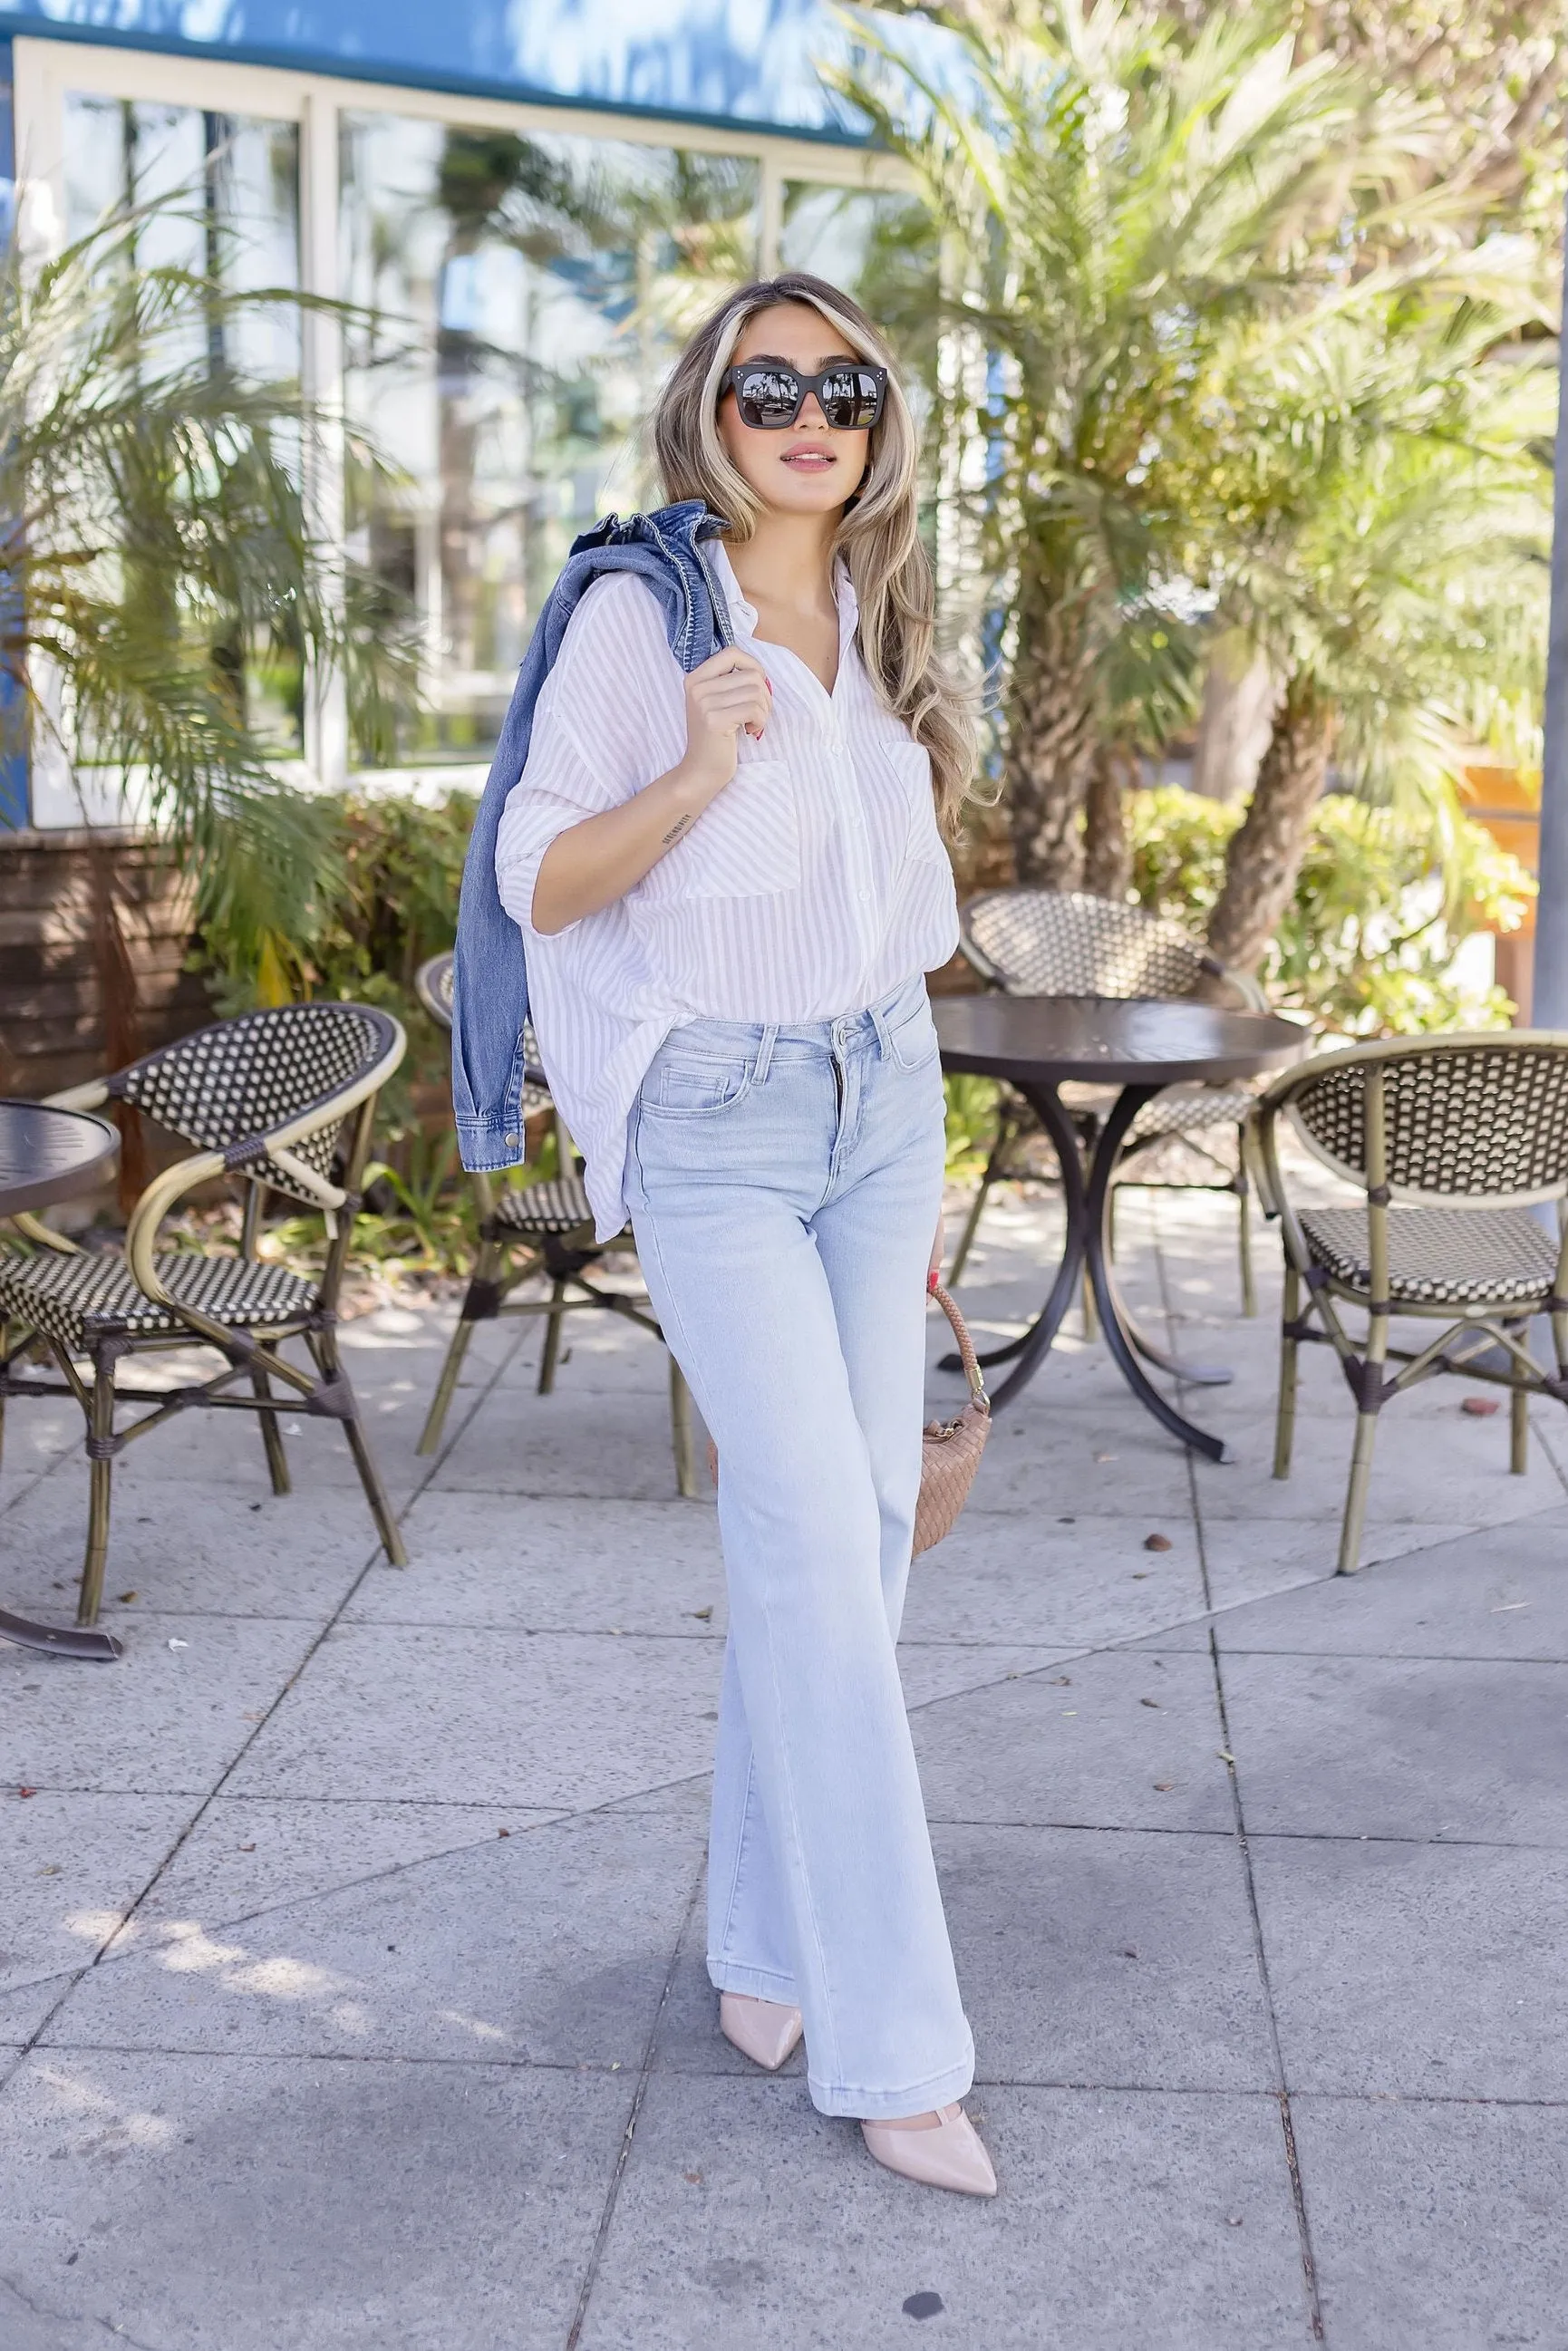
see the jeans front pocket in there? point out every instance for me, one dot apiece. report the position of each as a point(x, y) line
point(685, 1085)
point(911, 1037)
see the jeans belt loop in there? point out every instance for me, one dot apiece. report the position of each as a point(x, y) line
point(764, 1061)
point(883, 1033)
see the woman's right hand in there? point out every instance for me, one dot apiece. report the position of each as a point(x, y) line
point(591, 864)
point(723, 694)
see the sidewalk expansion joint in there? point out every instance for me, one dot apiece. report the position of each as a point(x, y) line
point(623, 2153)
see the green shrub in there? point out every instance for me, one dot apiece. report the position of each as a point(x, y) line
point(388, 900)
point(1382, 904)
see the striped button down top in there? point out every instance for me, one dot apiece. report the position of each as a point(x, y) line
point(813, 885)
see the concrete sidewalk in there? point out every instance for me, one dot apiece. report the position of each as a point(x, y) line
point(350, 1969)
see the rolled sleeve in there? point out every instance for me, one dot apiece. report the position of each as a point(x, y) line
point(591, 750)
point(537, 814)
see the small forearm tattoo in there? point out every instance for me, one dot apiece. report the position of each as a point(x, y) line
point(681, 824)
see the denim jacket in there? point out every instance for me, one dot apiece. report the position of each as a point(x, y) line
point(490, 988)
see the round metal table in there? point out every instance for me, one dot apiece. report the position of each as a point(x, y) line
point(1040, 1043)
point(48, 1154)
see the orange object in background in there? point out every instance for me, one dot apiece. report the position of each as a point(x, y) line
point(1507, 803)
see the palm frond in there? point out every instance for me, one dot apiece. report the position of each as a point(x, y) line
point(158, 553)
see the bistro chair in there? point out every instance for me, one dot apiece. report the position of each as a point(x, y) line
point(1066, 942)
point(265, 1097)
point(1452, 1143)
point(544, 1228)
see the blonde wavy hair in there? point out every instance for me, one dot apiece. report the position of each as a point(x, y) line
point(878, 536)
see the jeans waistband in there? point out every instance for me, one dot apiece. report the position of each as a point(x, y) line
point(770, 1041)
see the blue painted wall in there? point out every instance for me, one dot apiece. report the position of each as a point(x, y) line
point(749, 61)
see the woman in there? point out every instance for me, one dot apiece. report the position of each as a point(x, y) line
point(731, 884)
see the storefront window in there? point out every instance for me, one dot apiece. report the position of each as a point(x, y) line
point(227, 192)
point(218, 195)
point(519, 301)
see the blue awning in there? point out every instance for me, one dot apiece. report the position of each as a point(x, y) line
point(719, 61)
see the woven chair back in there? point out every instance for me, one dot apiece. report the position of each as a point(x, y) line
point(245, 1077)
point(433, 985)
point(1477, 1117)
point(1065, 943)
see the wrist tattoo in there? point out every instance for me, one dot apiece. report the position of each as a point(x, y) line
point(681, 824)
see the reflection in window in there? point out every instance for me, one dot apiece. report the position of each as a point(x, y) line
point(522, 299)
point(225, 189)
point(219, 196)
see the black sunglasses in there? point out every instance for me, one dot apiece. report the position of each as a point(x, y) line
point(770, 397)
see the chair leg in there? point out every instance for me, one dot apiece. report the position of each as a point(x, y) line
point(1244, 1225)
point(681, 1435)
point(1355, 1496)
point(323, 1346)
point(972, 1221)
point(481, 1283)
point(1519, 1420)
point(554, 1318)
point(100, 1473)
point(1290, 1351)
point(272, 1439)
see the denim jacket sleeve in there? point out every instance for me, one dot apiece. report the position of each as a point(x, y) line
point(490, 996)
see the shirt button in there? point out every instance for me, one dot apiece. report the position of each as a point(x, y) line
point(862, 895)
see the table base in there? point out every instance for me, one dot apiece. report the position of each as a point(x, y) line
point(1086, 1203)
point(60, 1640)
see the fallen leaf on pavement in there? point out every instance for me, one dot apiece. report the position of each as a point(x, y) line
point(1156, 1542)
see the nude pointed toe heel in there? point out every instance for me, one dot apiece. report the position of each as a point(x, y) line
point(763, 2030)
point(945, 2151)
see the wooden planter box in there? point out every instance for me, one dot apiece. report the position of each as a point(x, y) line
point(76, 998)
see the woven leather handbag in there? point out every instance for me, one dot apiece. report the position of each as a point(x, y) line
point(951, 1449)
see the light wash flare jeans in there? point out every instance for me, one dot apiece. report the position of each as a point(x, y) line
point(785, 1186)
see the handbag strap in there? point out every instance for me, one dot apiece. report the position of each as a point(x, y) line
point(966, 1355)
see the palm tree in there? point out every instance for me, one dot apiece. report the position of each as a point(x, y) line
point(1121, 193)
point(159, 558)
point(1372, 488)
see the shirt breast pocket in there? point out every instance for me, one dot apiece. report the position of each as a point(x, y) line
point(744, 845)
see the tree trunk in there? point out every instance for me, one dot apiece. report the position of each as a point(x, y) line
point(1265, 853)
point(1107, 843)
point(1050, 740)
point(1240, 698)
